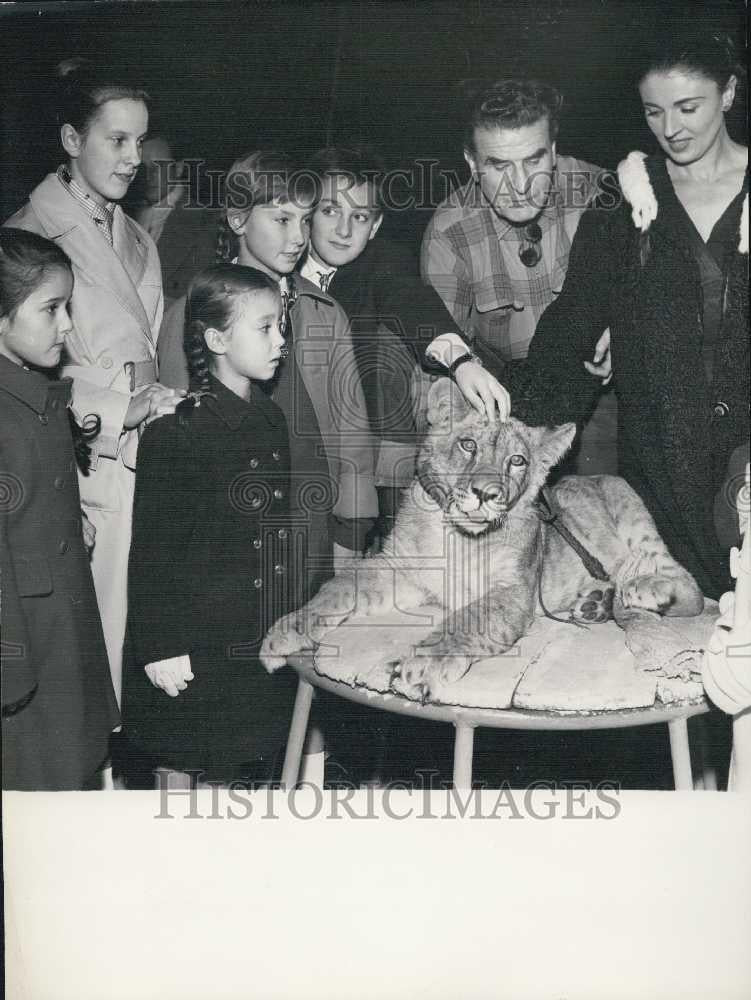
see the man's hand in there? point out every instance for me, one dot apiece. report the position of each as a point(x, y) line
point(600, 366)
point(483, 391)
point(154, 401)
point(170, 675)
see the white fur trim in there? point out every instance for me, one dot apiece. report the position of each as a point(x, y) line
point(637, 190)
point(743, 236)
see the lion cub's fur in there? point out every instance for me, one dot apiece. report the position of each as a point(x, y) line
point(467, 537)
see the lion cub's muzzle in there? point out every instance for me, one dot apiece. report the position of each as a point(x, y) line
point(484, 499)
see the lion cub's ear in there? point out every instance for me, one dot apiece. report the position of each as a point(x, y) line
point(553, 444)
point(446, 403)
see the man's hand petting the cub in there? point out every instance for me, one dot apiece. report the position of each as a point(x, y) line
point(483, 391)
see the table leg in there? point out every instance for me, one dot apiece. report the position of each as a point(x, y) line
point(296, 738)
point(681, 755)
point(463, 744)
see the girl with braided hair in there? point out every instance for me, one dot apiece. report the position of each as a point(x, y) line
point(208, 561)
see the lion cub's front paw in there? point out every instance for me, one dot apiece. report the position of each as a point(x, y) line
point(594, 605)
point(649, 592)
point(418, 677)
point(283, 640)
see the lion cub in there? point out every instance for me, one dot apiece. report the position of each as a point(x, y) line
point(468, 538)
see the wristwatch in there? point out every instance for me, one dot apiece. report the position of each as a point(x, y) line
point(460, 361)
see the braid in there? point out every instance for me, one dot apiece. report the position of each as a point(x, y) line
point(226, 243)
point(196, 353)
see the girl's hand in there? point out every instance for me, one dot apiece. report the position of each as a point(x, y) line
point(89, 532)
point(170, 675)
point(600, 366)
point(483, 391)
point(154, 401)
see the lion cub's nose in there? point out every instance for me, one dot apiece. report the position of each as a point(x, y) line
point(487, 487)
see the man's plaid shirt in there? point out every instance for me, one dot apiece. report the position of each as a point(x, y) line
point(471, 257)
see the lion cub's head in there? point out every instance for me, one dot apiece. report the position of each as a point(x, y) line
point(479, 471)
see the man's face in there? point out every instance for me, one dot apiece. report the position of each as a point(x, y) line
point(515, 168)
point(344, 222)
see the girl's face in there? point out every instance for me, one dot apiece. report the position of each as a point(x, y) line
point(273, 237)
point(104, 159)
point(685, 111)
point(36, 332)
point(252, 347)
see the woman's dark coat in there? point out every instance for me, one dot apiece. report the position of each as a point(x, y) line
point(676, 430)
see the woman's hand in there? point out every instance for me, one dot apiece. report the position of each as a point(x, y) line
point(483, 391)
point(154, 401)
point(89, 532)
point(600, 366)
point(170, 675)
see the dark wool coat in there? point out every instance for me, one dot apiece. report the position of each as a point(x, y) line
point(210, 562)
point(676, 431)
point(58, 703)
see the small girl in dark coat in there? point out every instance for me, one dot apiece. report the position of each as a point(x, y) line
point(208, 560)
point(58, 702)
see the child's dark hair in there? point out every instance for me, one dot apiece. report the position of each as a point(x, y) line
point(261, 178)
point(83, 87)
point(25, 259)
point(709, 53)
point(358, 164)
point(212, 302)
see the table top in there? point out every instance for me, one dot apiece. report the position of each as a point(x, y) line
point(507, 718)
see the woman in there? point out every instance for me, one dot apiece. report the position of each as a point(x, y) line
point(668, 274)
point(116, 308)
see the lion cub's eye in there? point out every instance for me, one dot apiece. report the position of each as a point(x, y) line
point(468, 445)
point(518, 460)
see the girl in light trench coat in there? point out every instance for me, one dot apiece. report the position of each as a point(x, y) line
point(116, 311)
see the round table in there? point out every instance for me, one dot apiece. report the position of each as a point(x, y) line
point(466, 720)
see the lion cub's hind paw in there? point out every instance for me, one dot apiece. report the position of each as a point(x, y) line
point(593, 605)
point(650, 593)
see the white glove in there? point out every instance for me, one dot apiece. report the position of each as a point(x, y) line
point(170, 675)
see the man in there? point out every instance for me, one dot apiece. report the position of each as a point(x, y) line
point(398, 324)
point(496, 250)
point(184, 233)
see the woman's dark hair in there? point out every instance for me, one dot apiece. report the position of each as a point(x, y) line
point(710, 54)
point(212, 302)
point(83, 87)
point(357, 163)
point(261, 178)
point(25, 260)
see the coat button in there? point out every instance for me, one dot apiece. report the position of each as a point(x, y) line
point(282, 533)
point(62, 547)
point(257, 543)
point(59, 482)
point(721, 409)
point(279, 569)
point(276, 455)
point(258, 583)
point(43, 419)
point(254, 463)
point(278, 494)
point(106, 363)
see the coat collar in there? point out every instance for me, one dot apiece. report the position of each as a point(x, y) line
point(64, 220)
point(234, 411)
point(304, 288)
point(31, 387)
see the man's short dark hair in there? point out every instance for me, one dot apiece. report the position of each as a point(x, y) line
point(513, 104)
point(357, 163)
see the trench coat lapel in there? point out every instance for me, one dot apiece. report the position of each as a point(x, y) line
point(69, 226)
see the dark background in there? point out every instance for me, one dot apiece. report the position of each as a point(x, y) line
point(232, 76)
